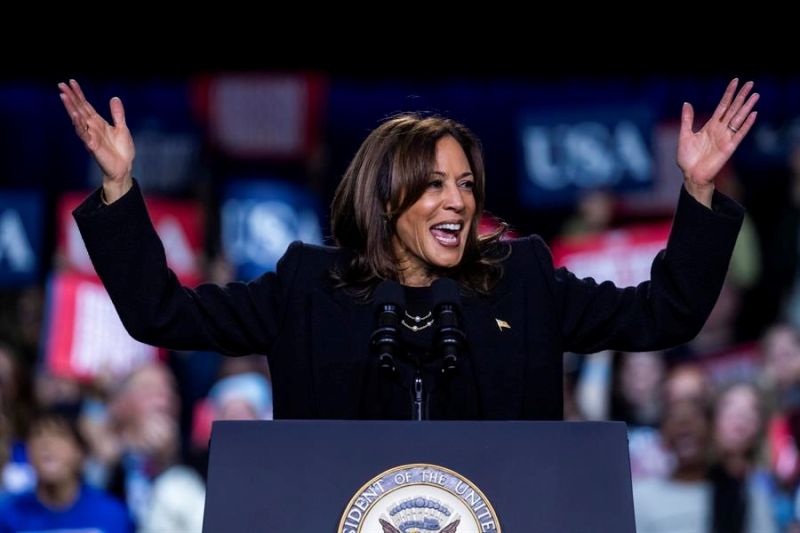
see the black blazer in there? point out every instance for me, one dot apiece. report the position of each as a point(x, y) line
point(317, 337)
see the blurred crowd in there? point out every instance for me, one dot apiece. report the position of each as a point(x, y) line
point(132, 451)
point(714, 425)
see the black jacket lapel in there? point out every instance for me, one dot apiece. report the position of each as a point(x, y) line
point(495, 332)
point(340, 331)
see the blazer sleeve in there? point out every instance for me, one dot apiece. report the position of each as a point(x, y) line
point(670, 308)
point(235, 319)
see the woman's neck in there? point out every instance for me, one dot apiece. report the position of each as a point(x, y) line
point(736, 464)
point(415, 277)
point(690, 472)
point(412, 271)
point(58, 495)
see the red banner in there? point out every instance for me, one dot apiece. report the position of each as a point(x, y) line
point(258, 116)
point(179, 224)
point(85, 336)
point(623, 256)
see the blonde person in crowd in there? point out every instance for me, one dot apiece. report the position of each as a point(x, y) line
point(140, 440)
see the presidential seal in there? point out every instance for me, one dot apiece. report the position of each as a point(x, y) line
point(419, 498)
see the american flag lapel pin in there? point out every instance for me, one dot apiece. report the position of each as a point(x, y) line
point(502, 324)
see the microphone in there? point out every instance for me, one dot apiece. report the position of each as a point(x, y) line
point(388, 298)
point(449, 337)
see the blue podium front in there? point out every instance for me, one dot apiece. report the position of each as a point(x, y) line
point(431, 477)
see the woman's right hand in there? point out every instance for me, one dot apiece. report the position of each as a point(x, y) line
point(111, 146)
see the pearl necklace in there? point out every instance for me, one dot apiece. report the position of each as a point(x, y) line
point(417, 320)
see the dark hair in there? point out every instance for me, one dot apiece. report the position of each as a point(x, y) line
point(620, 406)
point(16, 398)
point(729, 504)
point(388, 174)
point(59, 422)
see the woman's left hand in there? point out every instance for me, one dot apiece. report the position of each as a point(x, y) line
point(702, 154)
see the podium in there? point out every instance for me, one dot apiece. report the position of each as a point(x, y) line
point(334, 476)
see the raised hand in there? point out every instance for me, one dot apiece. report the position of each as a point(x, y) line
point(702, 154)
point(111, 145)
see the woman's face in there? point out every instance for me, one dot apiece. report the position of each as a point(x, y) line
point(782, 353)
point(641, 377)
point(738, 420)
point(434, 229)
point(54, 455)
point(685, 432)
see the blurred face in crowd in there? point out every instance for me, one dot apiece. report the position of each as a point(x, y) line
point(145, 408)
point(782, 354)
point(686, 382)
point(54, 454)
point(642, 373)
point(150, 390)
point(597, 210)
point(433, 231)
point(685, 432)
point(737, 421)
point(156, 436)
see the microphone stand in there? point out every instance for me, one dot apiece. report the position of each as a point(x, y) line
point(418, 407)
point(447, 343)
point(448, 339)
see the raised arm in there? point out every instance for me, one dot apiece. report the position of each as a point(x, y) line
point(686, 277)
point(111, 146)
point(702, 154)
point(237, 319)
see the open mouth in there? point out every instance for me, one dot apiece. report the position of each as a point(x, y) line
point(448, 234)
